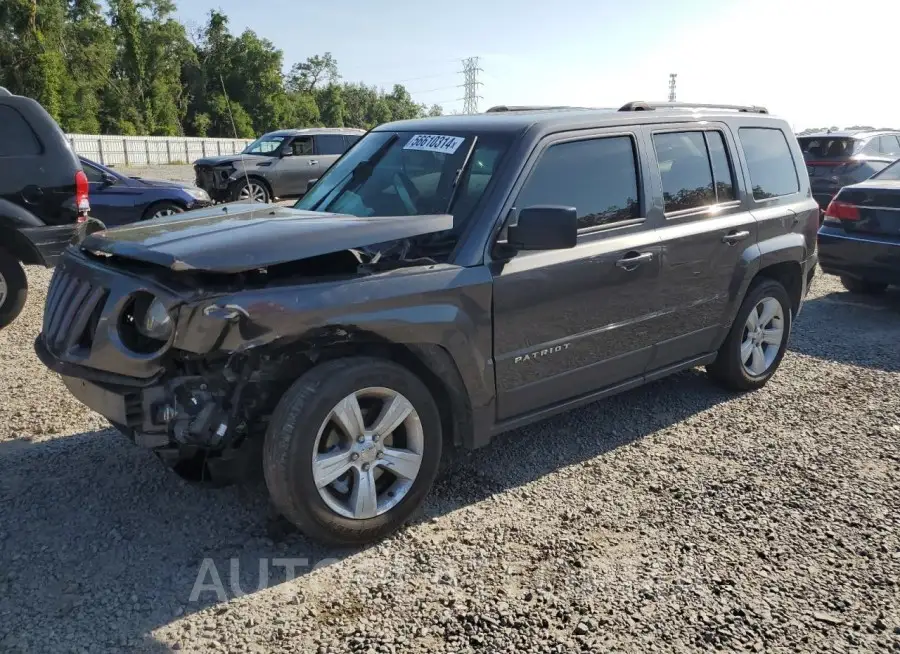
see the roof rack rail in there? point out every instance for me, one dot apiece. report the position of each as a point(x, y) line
point(505, 108)
point(649, 106)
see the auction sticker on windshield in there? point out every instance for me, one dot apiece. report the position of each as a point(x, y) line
point(434, 143)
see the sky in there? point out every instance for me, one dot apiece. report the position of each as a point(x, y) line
point(814, 63)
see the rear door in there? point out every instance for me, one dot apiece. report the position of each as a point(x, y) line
point(707, 228)
point(569, 322)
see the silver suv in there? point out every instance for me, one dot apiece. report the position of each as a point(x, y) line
point(276, 165)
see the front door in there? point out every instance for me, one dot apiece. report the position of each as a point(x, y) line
point(112, 200)
point(569, 322)
point(297, 165)
point(707, 227)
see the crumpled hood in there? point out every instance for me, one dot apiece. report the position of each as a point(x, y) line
point(236, 159)
point(238, 237)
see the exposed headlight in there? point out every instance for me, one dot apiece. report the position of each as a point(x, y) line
point(197, 193)
point(154, 321)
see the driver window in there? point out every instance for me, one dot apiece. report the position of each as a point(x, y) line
point(598, 177)
point(302, 146)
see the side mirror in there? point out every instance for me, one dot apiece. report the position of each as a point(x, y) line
point(109, 180)
point(287, 151)
point(544, 228)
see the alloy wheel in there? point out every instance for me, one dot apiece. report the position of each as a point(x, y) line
point(367, 453)
point(253, 192)
point(763, 335)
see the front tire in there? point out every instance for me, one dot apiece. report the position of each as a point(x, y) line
point(250, 190)
point(352, 450)
point(162, 209)
point(758, 338)
point(13, 289)
point(861, 286)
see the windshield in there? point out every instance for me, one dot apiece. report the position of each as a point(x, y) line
point(826, 147)
point(266, 144)
point(409, 174)
point(889, 174)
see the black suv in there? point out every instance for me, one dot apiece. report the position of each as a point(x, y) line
point(43, 196)
point(446, 280)
point(838, 159)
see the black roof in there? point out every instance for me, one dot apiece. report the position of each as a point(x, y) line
point(562, 118)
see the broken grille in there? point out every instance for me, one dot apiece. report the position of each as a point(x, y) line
point(69, 319)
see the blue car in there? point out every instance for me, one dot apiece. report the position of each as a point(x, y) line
point(119, 200)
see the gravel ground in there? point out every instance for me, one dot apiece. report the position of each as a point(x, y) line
point(672, 518)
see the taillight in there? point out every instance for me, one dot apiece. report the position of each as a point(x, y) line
point(838, 210)
point(81, 195)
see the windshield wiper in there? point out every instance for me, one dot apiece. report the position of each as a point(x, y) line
point(459, 175)
point(356, 177)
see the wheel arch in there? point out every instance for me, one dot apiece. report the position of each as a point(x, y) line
point(256, 178)
point(787, 273)
point(431, 363)
point(17, 246)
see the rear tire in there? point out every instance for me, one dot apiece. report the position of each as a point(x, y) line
point(322, 489)
point(861, 286)
point(748, 358)
point(13, 289)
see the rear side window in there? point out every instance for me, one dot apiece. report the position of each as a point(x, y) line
point(350, 139)
point(17, 139)
point(598, 177)
point(694, 168)
point(330, 144)
point(769, 160)
point(890, 145)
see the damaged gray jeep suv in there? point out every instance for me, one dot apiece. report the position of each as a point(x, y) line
point(446, 280)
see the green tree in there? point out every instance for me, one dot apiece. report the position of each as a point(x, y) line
point(308, 76)
point(331, 105)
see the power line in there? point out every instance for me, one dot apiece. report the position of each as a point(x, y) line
point(440, 88)
point(470, 72)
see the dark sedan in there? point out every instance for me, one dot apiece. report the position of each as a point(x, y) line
point(119, 200)
point(860, 238)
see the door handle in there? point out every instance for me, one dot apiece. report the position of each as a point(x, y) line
point(313, 162)
point(632, 262)
point(734, 237)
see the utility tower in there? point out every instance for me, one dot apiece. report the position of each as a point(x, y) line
point(470, 71)
point(672, 77)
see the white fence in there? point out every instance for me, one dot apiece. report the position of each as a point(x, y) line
point(150, 150)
